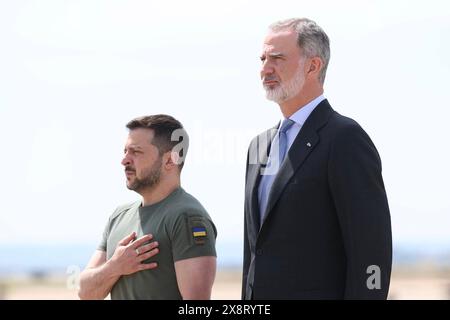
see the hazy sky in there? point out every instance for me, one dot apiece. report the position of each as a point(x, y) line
point(72, 73)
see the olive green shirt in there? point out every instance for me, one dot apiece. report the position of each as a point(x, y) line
point(183, 230)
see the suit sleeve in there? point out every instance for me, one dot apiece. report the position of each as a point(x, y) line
point(246, 262)
point(360, 200)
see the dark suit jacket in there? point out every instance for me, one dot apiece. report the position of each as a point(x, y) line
point(327, 216)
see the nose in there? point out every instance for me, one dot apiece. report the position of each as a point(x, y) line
point(126, 160)
point(266, 69)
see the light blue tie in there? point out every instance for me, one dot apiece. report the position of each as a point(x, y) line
point(285, 125)
point(279, 144)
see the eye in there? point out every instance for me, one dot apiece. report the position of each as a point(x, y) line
point(132, 151)
point(262, 59)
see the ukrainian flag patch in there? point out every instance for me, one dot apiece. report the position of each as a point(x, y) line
point(199, 234)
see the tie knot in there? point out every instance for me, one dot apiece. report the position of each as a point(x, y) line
point(285, 125)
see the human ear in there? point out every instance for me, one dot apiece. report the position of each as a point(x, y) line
point(315, 65)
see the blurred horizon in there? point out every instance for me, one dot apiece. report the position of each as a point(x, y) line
point(56, 258)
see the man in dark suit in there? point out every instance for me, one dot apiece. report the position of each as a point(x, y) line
point(317, 222)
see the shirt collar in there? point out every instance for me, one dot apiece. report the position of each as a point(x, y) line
point(303, 113)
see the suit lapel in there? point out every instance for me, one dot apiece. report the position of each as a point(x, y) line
point(257, 161)
point(302, 146)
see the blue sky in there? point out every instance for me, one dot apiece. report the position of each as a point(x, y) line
point(74, 72)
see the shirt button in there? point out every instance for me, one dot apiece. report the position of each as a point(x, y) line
point(259, 252)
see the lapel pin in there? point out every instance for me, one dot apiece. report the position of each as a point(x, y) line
point(309, 144)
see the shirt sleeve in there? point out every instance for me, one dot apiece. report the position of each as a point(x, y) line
point(193, 235)
point(103, 242)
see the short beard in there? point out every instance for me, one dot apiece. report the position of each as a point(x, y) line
point(149, 181)
point(287, 91)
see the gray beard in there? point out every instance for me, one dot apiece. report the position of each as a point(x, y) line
point(286, 91)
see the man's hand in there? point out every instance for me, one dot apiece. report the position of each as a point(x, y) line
point(100, 275)
point(129, 255)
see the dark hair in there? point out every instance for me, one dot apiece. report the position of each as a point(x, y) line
point(168, 133)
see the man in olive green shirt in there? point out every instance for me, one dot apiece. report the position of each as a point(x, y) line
point(162, 247)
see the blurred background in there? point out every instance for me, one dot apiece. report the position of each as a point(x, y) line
point(73, 73)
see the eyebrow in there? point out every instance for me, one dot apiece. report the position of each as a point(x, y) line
point(276, 54)
point(132, 147)
point(273, 55)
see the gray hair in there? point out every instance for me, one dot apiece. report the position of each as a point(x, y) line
point(310, 38)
